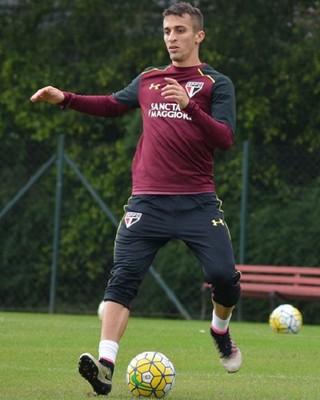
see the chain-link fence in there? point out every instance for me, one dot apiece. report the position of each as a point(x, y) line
point(58, 222)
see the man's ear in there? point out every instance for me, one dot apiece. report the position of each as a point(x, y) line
point(200, 36)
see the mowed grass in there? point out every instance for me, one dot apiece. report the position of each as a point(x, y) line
point(39, 355)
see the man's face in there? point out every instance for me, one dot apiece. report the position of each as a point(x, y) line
point(181, 39)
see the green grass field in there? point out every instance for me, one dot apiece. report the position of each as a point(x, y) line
point(39, 355)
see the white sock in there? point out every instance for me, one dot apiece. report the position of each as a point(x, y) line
point(108, 350)
point(220, 325)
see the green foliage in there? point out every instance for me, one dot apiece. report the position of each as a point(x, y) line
point(292, 228)
point(269, 49)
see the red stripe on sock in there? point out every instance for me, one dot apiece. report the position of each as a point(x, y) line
point(107, 359)
point(219, 332)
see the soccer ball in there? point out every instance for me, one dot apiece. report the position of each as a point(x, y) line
point(150, 374)
point(285, 319)
point(100, 309)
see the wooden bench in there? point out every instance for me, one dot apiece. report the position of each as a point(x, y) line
point(275, 282)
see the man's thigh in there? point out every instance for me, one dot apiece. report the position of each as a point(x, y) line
point(206, 233)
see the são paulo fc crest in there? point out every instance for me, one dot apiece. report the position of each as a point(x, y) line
point(193, 87)
point(131, 218)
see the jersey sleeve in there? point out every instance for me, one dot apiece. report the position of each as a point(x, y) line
point(129, 96)
point(219, 133)
point(106, 105)
point(220, 124)
point(223, 105)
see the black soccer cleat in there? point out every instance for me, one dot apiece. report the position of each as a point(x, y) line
point(98, 375)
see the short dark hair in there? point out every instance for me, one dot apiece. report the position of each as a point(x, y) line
point(180, 9)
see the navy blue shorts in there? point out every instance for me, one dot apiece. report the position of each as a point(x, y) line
point(150, 221)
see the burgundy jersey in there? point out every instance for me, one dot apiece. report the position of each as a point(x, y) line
point(175, 153)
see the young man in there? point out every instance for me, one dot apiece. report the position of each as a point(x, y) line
point(188, 111)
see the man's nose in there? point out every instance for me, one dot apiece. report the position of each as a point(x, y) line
point(172, 37)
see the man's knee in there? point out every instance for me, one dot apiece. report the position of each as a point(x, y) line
point(122, 290)
point(228, 292)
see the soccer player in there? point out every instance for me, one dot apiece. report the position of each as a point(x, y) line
point(188, 111)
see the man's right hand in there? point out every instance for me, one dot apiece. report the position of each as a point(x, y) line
point(49, 94)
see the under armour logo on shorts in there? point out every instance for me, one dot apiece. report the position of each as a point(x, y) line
point(216, 222)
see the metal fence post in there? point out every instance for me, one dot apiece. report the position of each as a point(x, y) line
point(244, 201)
point(243, 213)
point(57, 222)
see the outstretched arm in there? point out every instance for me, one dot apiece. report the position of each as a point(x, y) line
point(98, 105)
point(49, 94)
